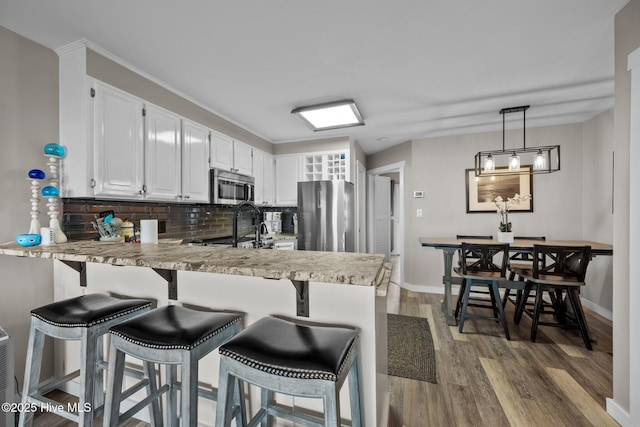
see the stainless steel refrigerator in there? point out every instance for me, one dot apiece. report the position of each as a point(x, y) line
point(326, 220)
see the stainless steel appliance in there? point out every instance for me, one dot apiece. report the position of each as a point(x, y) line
point(228, 188)
point(326, 216)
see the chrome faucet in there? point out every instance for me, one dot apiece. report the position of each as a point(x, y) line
point(257, 215)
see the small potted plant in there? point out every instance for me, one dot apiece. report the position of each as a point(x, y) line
point(505, 235)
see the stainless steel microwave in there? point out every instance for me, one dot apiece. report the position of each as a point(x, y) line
point(228, 188)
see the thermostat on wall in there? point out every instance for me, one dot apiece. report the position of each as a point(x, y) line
point(418, 194)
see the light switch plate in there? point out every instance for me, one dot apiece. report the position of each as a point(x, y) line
point(419, 213)
point(418, 194)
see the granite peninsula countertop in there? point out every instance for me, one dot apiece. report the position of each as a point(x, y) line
point(330, 267)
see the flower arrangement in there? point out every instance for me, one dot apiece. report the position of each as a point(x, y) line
point(504, 206)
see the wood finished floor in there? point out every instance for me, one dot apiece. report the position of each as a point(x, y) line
point(485, 380)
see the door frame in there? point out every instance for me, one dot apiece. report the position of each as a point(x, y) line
point(371, 173)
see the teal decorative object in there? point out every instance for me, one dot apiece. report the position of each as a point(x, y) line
point(54, 150)
point(28, 239)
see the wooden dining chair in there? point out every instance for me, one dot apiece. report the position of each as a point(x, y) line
point(483, 266)
point(520, 261)
point(469, 237)
point(560, 278)
point(469, 256)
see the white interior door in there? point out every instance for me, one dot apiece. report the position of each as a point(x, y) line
point(396, 219)
point(382, 216)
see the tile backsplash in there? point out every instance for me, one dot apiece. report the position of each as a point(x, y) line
point(188, 222)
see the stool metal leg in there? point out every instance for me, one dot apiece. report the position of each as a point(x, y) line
point(266, 400)
point(88, 367)
point(98, 374)
point(115, 378)
point(189, 389)
point(172, 396)
point(155, 412)
point(331, 406)
point(225, 385)
point(354, 393)
point(32, 371)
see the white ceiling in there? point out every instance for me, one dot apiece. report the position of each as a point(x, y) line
point(416, 68)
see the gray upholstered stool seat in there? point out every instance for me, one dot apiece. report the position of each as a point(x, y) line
point(171, 335)
point(86, 318)
point(301, 360)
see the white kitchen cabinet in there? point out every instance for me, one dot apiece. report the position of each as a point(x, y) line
point(264, 174)
point(230, 154)
point(326, 166)
point(221, 151)
point(195, 162)
point(243, 158)
point(144, 152)
point(118, 143)
point(288, 173)
point(163, 147)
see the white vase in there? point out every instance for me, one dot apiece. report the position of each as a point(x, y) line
point(505, 236)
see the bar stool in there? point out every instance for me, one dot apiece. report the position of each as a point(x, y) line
point(171, 335)
point(86, 318)
point(286, 357)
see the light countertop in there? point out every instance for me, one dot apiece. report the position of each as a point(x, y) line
point(330, 267)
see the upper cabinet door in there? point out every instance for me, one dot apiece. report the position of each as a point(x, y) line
point(162, 155)
point(269, 177)
point(242, 158)
point(221, 151)
point(288, 172)
point(263, 172)
point(195, 162)
point(118, 143)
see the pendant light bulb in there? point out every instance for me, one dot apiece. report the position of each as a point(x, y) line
point(489, 163)
point(539, 162)
point(514, 162)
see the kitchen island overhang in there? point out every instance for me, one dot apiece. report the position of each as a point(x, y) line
point(339, 288)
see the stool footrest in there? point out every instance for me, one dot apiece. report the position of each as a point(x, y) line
point(208, 394)
point(283, 411)
point(134, 389)
point(51, 405)
point(143, 403)
point(54, 382)
point(203, 392)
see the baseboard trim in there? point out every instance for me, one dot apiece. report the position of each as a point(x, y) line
point(607, 314)
point(621, 416)
point(429, 289)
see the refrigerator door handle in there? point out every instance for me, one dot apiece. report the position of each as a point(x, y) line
point(318, 202)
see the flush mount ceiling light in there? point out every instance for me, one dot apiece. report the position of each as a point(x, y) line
point(517, 161)
point(331, 115)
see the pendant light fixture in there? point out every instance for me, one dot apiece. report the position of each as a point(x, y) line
point(517, 161)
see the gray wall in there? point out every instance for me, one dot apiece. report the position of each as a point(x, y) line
point(116, 75)
point(28, 121)
point(627, 40)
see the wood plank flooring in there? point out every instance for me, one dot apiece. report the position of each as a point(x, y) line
point(485, 380)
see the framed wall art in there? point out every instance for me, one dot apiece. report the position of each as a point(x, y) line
point(482, 190)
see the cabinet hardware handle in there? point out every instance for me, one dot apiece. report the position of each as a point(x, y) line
point(93, 183)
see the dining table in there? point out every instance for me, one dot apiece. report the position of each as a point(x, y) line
point(451, 245)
